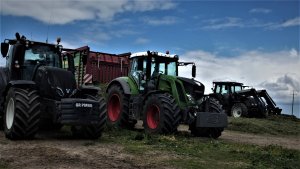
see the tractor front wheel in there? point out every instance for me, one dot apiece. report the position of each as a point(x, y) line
point(22, 113)
point(239, 110)
point(118, 108)
point(161, 114)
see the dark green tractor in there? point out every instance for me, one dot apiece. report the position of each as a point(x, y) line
point(154, 93)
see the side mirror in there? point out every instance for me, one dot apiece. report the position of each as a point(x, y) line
point(194, 71)
point(4, 49)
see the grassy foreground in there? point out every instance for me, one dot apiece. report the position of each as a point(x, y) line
point(184, 151)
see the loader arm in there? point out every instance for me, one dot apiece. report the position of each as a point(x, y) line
point(271, 104)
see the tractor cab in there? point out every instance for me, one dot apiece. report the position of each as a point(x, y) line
point(147, 66)
point(227, 87)
point(24, 57)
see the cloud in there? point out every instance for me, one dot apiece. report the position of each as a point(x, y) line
point(260, 10)
point(278, 71)
point(141, 41)
point(68, 11)
point(291, 22)
point(222, 23)
point(234, 22)
point(166, 20)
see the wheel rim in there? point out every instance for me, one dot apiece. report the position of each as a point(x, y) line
point(153, 116)
point(114, 108)
point(10, 113)
point(237, 112)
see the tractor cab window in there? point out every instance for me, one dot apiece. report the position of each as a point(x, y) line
point(218, 88)
point(42, 55)
point(39, 55)
point(237, 88)
point(138, 71)
point(164, 66)
point(224, 89)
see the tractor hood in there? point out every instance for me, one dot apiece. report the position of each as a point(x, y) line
point(55, 83)
point(192, 87)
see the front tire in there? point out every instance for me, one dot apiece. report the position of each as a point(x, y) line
point(239, 110)
point(212, 132)
point(22, 113)
point(118, 108)
point(161, 114)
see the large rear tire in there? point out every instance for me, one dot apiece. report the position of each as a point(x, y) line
point(212, 132)
point(93, 131)
point(239, 110)
point(161, 114)
point(118, 108)
point(22, 113)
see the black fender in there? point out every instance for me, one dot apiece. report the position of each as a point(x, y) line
point(20, 84)
point(122, 82)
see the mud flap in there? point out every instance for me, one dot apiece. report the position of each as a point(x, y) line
point(209, 119)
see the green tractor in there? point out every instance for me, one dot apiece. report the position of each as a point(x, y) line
point(154, 93)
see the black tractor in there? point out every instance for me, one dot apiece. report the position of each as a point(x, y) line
point(37, 92)
point(241, 101)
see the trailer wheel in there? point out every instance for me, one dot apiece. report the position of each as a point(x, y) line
point(161, 114)
point(212, 132)
point(239, 110)
point(118, 108)
point(22, 113)
point(93, 131)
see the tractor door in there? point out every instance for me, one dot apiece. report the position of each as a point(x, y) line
point(15, 60)
point(138, 72)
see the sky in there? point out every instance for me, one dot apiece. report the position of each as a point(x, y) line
point(254, 42)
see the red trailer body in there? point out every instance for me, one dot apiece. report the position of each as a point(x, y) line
point(98, 67)
point(105, 67)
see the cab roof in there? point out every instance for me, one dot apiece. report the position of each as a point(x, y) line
point(139, 54)
point(228, 83)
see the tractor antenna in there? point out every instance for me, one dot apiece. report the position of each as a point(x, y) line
point(48, 25)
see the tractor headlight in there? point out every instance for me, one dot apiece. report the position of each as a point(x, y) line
point(190, 97)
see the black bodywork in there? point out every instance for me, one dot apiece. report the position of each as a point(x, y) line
point(62, 101)
point(258, 102)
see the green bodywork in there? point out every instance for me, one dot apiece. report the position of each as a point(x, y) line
point(167, 84)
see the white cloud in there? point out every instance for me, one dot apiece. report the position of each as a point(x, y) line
point(166, 20)
point(233, 22)
point(291, 22)
point(67, 11)
point(278, 72)
point(260, 10)
point(141, 41)
point(222, 23)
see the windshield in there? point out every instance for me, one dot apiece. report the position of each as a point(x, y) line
point(238, 88)
point(42, 54)
point(164, 66)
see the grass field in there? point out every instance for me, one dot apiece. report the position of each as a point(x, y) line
point(185, 151)
point(273, 125)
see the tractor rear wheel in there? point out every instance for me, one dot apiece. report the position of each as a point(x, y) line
point(22, 113)
point(161, 114)
point(213, 132)
point(93, 131)
point(239, 110)
point(118, 108)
